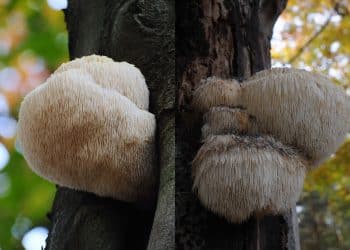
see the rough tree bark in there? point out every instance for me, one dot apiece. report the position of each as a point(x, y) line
point(140, 32)
point(225, 38)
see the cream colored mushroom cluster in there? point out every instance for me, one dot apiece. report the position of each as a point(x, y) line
point(261, 136)
point(87, 128)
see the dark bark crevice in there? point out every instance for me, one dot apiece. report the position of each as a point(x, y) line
point(254, 21)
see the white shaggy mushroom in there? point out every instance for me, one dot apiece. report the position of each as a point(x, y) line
point(214, 92)
point(225, 120)
point(121, 76)
point(81, 133)
point(299, 108)
point(239, 176)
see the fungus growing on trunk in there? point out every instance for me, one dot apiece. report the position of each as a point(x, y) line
point(214, 92)
point(301, 109)
point(224, 120)
point(237, 176)
point(298, 108)
point(262, 136)
point(87, 128)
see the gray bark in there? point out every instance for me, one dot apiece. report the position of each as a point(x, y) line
point(225, 38)
point(142, 33)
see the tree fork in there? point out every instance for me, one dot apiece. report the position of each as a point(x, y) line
point(224, 38)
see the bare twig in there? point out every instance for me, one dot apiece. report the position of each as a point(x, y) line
point(311, 39)
point(336, 9)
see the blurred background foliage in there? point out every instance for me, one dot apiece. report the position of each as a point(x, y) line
point(315, 35)
point(311, 34)
point(33, 42)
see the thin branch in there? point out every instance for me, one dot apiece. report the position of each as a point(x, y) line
point(311, 39)
point(339, 9)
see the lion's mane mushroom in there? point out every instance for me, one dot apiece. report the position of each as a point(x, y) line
point(237, 176)
point(120, 76)
point(261, 136)
point(224, 120)
point(213, 92)
point(299, 108)
point(87, 128)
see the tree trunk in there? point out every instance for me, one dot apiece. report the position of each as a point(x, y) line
point(214, 37)
point(225, 38)
point(142, 33)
